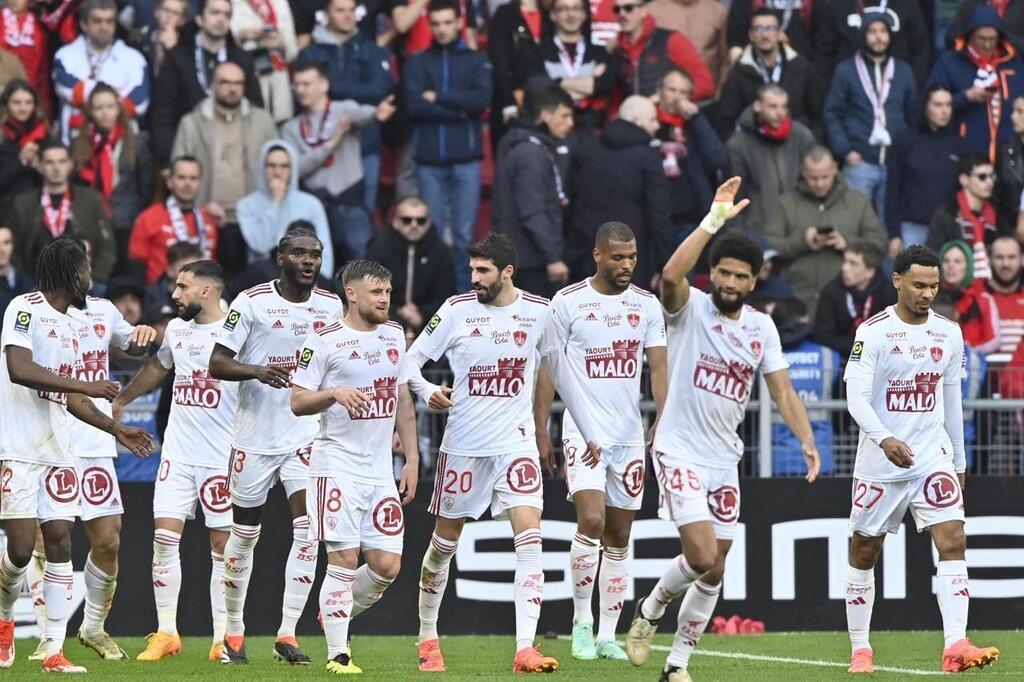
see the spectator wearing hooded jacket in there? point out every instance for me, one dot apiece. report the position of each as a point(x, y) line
point(447, 88)
point(985, 74)
point(1010, 11)
point(920, 170)
point(859, 291)
point(873, 97)
point(842, 22)
point(974, 309)
point(645, 53)
point(359, 70)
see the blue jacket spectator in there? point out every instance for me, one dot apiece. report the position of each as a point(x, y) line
point(985, 74)
point(814, 370)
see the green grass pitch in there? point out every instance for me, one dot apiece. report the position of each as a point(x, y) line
point(775, 656)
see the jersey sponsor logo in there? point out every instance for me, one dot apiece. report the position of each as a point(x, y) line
point(936, 354)
point(392, 354)
point(896, 335)
point(285, 362)
point(912, 395)
point(591, 317)
point(197, 390)
point(523, 476)
point(895, 351)
point(178, 346)
point(231, 320)
point(213, 493)
point(524, 320)
point(434, 323)
point(300, 328)
point(918, 352)
point(62, 485)
point(97, 486)
point(304, 359)
point(633, 319)
point(52, 334)
point(278, 324)
point(730, 381)
point(383, 397)
point(92, 366)
point(941, 490)
point(22, 321)
point(354, 355)
point(504, 380)
point(485, 319)
point(724, 503)
point(100, 329)
point(613, 320)
point(618, 361)
point(65, 370)
point(858, 350)
point(475, 332)
point(633, 478)
point(519, 337)
point(195, 350)
point(388, 517)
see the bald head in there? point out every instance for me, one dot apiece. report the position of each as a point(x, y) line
point(641, 112)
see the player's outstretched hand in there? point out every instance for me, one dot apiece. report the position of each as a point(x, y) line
point(142, 336)
point(813, 461)
point(275, 377)
point(439, 400)
point(135, 439)
point(107, 390)
point(898, 452)
point(352, 399)
point(407, 484)
point(546, 451)
point(726, 193)
point(592, 456)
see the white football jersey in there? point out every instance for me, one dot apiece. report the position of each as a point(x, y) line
point(355, 449)
point(200, 425)
point(34, 424)
point(712, 363)
point(265, 329)
point(493, 352)
point(605, 341)
point(907, 364)
point(99, 327)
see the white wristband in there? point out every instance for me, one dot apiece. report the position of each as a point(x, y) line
point(716, 217)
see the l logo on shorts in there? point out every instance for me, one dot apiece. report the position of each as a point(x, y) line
point(62, 485)
point(725, 503)
point(214, 494)
point(97, 486)
point(523, 476)
point(941, 490)
point(387, 517)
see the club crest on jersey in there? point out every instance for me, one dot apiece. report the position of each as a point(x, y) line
point(307, 355)
point(318, 325)
point(858, 350)
point(519, 337)
point(755, 348)
point(22, 321)
point(100, 329)
point(393, 355)
point(434, 323)
point(936, 354)
point(232, 319)
point(633, 319)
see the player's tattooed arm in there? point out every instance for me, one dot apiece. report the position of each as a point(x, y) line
point(223, 365)
point(24, 372)
point(795, 415)
point(145, 380)
point(137, 440)
point(405, 423)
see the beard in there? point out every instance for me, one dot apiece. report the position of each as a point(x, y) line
point(1013, 279)
point(78, 300)
point(189, 312)
point(488, 294)
point(724, 306)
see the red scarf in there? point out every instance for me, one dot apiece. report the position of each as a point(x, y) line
point(978, 221)
point(56, 219)
point(265, 10)
point(532, 19)
point(31, 130)
point(778, 133)
point(99, 170)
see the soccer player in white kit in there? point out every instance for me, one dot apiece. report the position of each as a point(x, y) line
point(608, 325)
point(494, 337)
point(265, 329)
point(351, 373)
point(39, 471)
point(194, 458)
point(903, 390)
point(716, 347)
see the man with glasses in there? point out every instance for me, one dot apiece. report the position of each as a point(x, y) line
point(970, 216)
point(769, 59)
point(646, 53)
point(225, 132)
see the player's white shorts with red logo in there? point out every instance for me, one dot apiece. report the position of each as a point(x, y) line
point(692, 492)
point(253, 475)
point(348, 514)
point(180, 486)
point(101, 494)
point(464, 487)
point(619, 474)
point(879, 507)
point(39, 491)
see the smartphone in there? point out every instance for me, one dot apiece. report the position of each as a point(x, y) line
point(826, 229)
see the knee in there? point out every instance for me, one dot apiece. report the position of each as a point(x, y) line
point(590, 523)
point(107, 546)
point(952, 546)
point(58, 550)
point(864, 555)
point(615, 538)
point(702, 559)
point(19, 556)
point(388, 569)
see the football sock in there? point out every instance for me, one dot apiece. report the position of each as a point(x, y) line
point(217, 608)
point(238, 551)
point(528, 591)
point(336, 608)
point(673, 582)
point(58, 579)
point(860, 599)
point(952, 589)
point(35, 587)
point(584, 553)
point(612, 585)
point(367, 589)
point(433, 580)
point(99, 595)
point(299, 572)
point(10, 586)
point(166, 579)
point(694, 614)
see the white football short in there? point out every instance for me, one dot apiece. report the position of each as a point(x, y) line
point(39, 491)
point(879, 507)
point(692, 492)
point(253, 475)
point(180, 486)
point(619, 474)
point(101, 494)
point(464, 487)
point(349, 514)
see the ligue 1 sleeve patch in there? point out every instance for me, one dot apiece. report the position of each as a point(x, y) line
point(307, 355)
point(434, 323)
point(858, 350)
point(232, 319)
point(22, 321)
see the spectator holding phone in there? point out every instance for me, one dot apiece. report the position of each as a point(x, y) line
point(812, 225)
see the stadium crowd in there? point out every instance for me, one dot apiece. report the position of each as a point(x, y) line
point(161, 132)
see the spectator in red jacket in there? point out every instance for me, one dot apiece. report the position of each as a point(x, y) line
point(973, 307)
point(646, 53)
point(177, 219)
point(23, 34)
